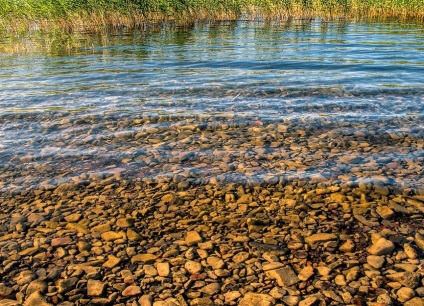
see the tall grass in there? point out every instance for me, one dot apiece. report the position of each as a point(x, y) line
point(95, 15)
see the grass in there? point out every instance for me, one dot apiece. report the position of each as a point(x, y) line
point(96, 15)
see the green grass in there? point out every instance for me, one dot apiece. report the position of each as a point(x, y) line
point(95, 15)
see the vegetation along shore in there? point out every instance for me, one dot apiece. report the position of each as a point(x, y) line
point(96, 15)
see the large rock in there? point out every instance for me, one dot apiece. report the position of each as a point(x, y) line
point(254, 299)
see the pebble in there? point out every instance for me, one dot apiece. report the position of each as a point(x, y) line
point(381, 247)
point(257, 299)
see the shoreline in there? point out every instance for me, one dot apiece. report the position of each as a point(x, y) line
point(132, 243)
point(97, 17)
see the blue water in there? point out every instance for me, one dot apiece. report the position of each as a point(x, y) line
point(236, 102)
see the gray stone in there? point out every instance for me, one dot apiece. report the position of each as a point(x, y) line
point(285, 277)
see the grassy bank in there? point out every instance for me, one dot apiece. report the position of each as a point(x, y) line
point(92, 15)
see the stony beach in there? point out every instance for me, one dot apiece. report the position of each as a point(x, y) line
point(121, 242)
point(235, 164)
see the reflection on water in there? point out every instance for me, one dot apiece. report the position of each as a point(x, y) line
point(235, 101)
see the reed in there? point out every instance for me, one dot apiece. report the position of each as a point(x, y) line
point(98, 15)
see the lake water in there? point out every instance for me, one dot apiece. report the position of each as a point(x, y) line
point(244, 102)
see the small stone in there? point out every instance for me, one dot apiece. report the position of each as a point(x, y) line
point(73, 217)
point(150, 270)
point(193, 267)
point(309, 301)
point(381, 247)
point(36, 299)
point(416, 301)
point(146, 300)
point(60, 241)
point(66, 285)
point(231, 296)
point(110, 236)
point(125, 222)
point(133, 235)
point(145, 258)
point(241, 257)
point(215, 262)
point(285, 277)
point(37, 285)
point(277, 292)
point(95, 288)
point(193, 238)
point(25, 277)
point(404, 294)
point(375, 261)
point(101, 228)
point(332, 295)
point(163, 269)
point(408, 279)
point(321, 237)
point(211, 289)
point(112, 262)
point(272, 266)
point(410, 251)
point(131, 291)
point(291, 300)
point(201, 302)
point(419, 240)
point(384, 299)
point(306, 273)
point(347, 247)
point(385, 212)
point(255, 299)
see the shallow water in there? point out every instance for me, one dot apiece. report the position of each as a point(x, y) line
point(229, 102)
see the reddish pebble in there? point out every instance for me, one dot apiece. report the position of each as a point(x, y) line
point(131, 291)
point(61, 241)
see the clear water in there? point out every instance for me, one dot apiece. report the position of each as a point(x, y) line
point(229, 102)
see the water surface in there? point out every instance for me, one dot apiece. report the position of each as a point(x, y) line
point(330, 102)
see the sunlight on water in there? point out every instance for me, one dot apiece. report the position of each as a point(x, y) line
point(236, 101)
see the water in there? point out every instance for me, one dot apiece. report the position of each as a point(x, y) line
point(244, 102)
